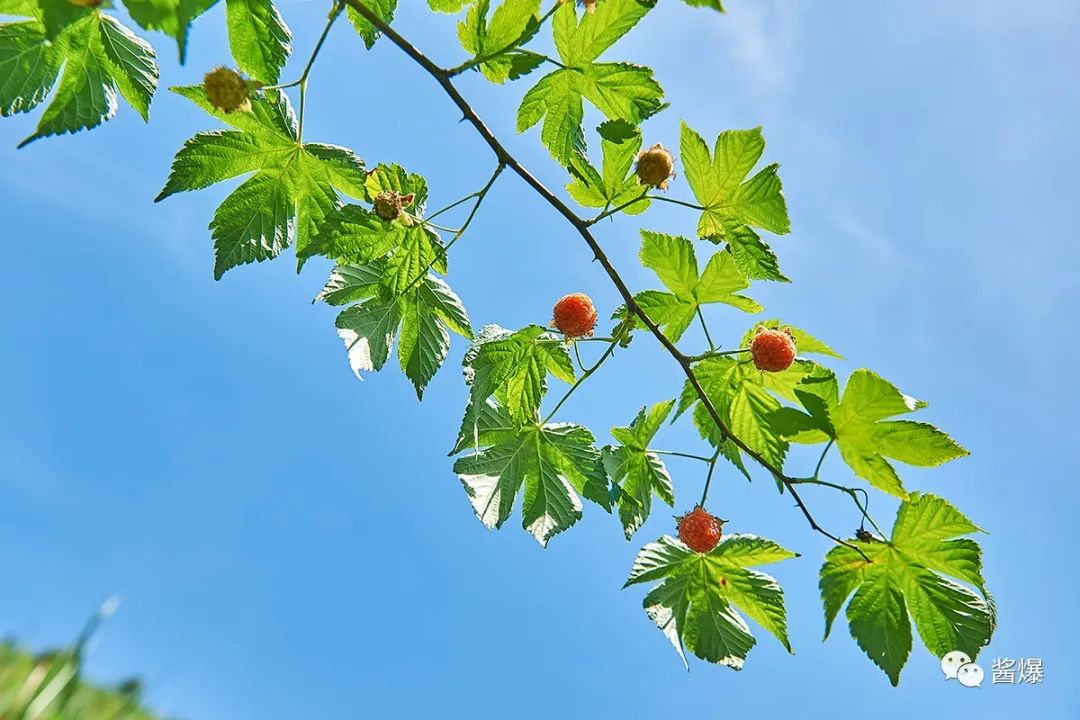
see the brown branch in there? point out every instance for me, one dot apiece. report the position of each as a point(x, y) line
point(443, 77)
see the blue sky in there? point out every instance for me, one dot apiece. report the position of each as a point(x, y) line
point(290, 543)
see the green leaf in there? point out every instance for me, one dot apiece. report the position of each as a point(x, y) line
point(516, 366)
point(804, 342)
point(620, 91)
point(673, 259)
point(511, 25)
point(554, 463)
point(637, 472)
point(908, 578)
point(616, 183)
point(695, 604)
point(99, 55)
point(172, 17)
point(752, 254)
point(51, 685)
point(865, 438)
point(59, 15)
point(449, 7)
point(294, 189)
point(259, 38)
point(720, 186)
point(420, 318)
point(384, 9)
point(748, 402)
point(714, 4)
point(28, 67)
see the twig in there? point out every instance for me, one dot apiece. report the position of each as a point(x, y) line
point(443, 78)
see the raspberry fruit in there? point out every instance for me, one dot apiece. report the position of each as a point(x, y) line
point(388, 205)
point(86, 3)
point(655, 167)
point(772, 350)
point(575, 315)
point(227, 90)
point(699, 530)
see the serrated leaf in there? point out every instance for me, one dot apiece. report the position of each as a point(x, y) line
point(553, 463)
point(258, 37)
point(637, 472)
point(907, 578)
point(294, 189)
point(721, 188)
point(620, 91)
point(616, 183)
point(28, 67)
point(512, 24)
point(517, 365)
point(420, 319)
point(172, 17)
point(99, 56)
point(384, 9)
point(695, 604)
point(674, 261)
point(865, 438)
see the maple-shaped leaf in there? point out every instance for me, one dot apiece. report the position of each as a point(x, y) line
point(732, 204)
point(172, 17)
point(674, 261)
point(748, 401)
point(620, 91)
point(616, 183)
point(695, 605)
point(516, 365)
point(908, 578)
point(355, 234)
point(420, 319)
point(638, 472)
point(99, 57)
point(513, 23)
point(293, 185)
point(555, 463)
point(859, 426)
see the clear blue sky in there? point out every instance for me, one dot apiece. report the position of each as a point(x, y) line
point(290, 543)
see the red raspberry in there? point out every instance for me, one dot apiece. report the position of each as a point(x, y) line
point(574, 315)
point(699, 530)
point(772, 350)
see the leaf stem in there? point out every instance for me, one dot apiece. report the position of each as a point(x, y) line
point(335, 11)
point(702, 458)
point(578, 383)
point(708, 338)
point(708, 477)
point(673, 201)
point(481, 59)
point(715, 353)
point(612, 211)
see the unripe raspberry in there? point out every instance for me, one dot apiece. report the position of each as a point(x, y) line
point(575, 315)
point(699, 530)
point(227, 90)
point(388, 205)
point(772, 350)
point(655, 167)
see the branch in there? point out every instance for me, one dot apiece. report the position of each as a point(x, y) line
point(442, 77)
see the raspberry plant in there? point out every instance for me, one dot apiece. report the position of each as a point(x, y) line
point(391, 264)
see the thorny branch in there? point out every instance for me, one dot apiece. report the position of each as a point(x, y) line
point(444, 78)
